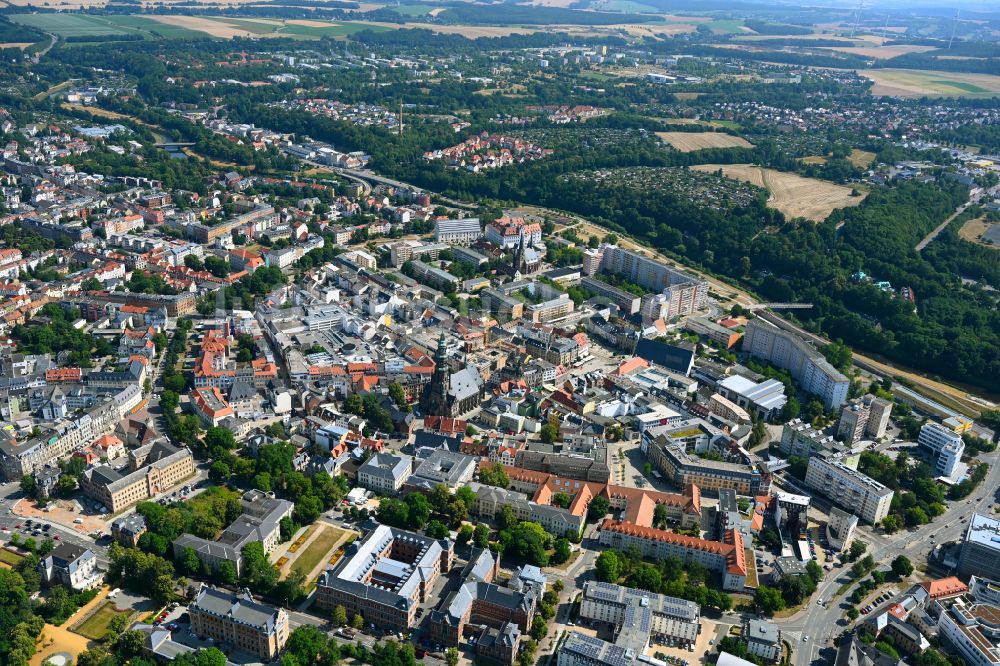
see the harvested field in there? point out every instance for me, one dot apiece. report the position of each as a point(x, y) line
point(814, 159)
point(793, 195)
point(687, 142)
point(919, 83)
point(470, 31)
point(15, 45)
point(688, 95)
point(882, 52)
point(209, 26)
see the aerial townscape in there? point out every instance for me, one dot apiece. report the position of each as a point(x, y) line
point(653, 333)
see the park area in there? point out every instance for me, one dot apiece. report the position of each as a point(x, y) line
point(96, 625)
point(315, 549)
point(792, 194)
point(687, 142)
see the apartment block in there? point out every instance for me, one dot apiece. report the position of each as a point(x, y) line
point(626, 301)
point(849, 488)
point(807, 366)
point(801, 439)
point(865, 417)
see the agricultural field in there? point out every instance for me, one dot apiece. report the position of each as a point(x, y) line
point(687, 142)
point(80, 25)
point(861, 158)
point(916, 83)
point(794, 195)
point(882, 52)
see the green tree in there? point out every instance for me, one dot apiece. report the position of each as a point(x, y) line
point(358, 622)
point(608, 567)
point(769, 600)
point(494, 475)
point(451, 656)
point(481, 536)
point(562, 551)
point(465, 534)
point(340, 616)
point(599, 507)
point(219, 472)
point(902, 567)
point(561, 499)
point(436, 530)
point(549, 433)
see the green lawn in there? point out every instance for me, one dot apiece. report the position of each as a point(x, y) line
point(317, 551)
point(95, 626)
point(962, 85)
point(724, 26)
point(10, 557)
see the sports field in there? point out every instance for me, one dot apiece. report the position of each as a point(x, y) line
point(918, 83)
point(687, 142)
point(792, 194)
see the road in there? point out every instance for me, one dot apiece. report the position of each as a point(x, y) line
point(941, 227)
point(820, 623)
point(41, 54)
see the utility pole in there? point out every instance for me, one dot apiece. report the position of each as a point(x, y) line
point(400, 117)
point(857, 20)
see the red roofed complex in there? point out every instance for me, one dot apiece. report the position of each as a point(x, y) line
point(945, 588)
point(727, 556)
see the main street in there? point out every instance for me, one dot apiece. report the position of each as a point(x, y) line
point(820, 623)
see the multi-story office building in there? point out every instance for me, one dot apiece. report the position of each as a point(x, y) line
point(385, 576)
point(840, 529)
point(848, 487)
point(763, 639)
point(164, 467)
point(458, 232)
point(671, 618)
point(668, 453)
point(806, 365)
point(260, 522)
point(704, 326)
point(980, 555)
point(972, 627)
point(726, 556)
point(385, 473)
point(636, 616)
point(556, 520)
point(943, 446)
point(239, 622)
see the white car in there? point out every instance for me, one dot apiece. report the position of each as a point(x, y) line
point(805, 639)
